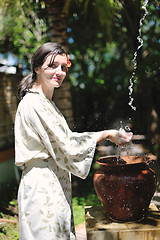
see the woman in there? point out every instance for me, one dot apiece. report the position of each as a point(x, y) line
point(49, 150)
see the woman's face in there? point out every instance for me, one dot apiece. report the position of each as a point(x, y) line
point(52, 73)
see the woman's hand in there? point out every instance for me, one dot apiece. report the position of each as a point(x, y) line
point(119, 137)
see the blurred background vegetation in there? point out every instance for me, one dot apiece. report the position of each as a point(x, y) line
point(101, 38)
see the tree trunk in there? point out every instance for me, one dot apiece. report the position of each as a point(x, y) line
point(57, 19)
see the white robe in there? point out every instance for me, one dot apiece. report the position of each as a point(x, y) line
point(50, 153)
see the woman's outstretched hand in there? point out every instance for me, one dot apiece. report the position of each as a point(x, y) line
point(119, 137)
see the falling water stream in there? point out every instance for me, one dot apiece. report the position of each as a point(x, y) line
point(132, 80)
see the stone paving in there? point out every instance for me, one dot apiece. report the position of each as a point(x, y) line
point(81, 232)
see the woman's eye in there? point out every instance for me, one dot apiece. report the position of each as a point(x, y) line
point(64, 68)
point(51, 66)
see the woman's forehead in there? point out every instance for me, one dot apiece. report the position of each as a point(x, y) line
point(56, 58)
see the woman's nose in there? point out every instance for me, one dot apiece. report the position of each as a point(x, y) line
point(59, 70)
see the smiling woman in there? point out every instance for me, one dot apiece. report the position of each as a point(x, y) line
point(49, 61)
point(50, 151)
point(51, 74)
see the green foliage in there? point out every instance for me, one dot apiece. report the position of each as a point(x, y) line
point(9, 231)
point(103, 11)
point(13, 202)
point(2, 215)
point(79, 203)
point(9, 211)
point(78, 212)
point(23, 27)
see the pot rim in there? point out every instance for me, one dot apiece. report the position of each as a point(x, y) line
point(128, 160)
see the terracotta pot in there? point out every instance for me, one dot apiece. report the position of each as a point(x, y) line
point(125, 187)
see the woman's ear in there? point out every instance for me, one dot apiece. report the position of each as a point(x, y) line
point(37, 70)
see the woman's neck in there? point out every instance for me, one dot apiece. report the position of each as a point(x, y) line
point(47, 92)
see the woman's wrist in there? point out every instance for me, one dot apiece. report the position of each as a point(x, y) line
point(102, 136)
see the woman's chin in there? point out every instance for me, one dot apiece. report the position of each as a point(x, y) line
point(57, 86)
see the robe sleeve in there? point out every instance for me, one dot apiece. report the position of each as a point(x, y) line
point(71, 151)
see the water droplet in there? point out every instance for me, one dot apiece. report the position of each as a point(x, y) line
point(127, 128)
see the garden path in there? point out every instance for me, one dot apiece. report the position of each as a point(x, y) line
point(81, 232)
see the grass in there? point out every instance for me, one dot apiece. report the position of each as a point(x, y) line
point(10, 230)
point(9, 211)
point(80, 202)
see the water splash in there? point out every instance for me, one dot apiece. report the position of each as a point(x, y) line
point(132, 80)
point(124, 149)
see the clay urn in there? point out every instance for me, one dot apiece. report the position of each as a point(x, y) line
point(125, 186)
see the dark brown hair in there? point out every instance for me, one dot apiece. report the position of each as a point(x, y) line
point(37, 60)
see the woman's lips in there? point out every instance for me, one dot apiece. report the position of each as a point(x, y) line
point(57, 79)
